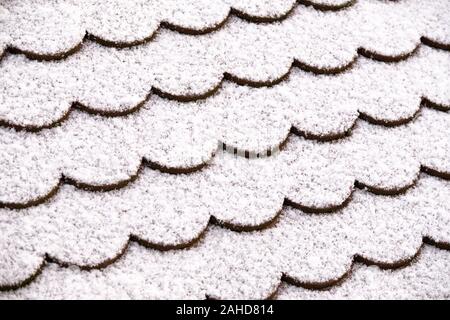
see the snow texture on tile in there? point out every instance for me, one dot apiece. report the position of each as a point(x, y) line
point(98, 153)
point(53, 29)
point(129, 130)
point(427, 278)
point(35, 95)
point(304, 249)
point(168, 211)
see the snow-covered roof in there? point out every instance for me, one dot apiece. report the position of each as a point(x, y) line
point(224, 149)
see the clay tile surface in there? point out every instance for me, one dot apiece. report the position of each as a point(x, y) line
point(225, 149)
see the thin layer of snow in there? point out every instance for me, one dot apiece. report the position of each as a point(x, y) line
point(106, 80)
point(88, 227)
point(100, 151)
point(226, 264)
point(45, 27)
point(318, 38)
point(4, 38)
point(436, 20)
point(327, 38)
point(426, 278)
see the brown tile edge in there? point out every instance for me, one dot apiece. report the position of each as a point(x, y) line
point(387, 58)
point(179, 29)
point(425, 102)
point(435, 44)
point(357, 258)
point(327, 7)
point(188, 170)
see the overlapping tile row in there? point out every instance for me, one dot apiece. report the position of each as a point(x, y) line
point(35, 95)
point(426, 278)
point(166, 211)
point(129, 164)
point(311, 251)
point(108, 154)
point(55, 29)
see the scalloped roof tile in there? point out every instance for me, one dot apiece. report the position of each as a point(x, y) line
point(307, 250)
point(224, 149)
